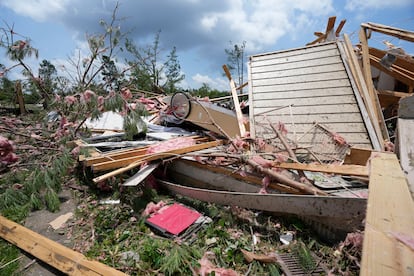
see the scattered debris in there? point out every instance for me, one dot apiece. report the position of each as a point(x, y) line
point(60, 220)
point(312, 147)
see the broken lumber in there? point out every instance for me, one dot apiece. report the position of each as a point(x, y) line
point(156, 156)
point(366, 66)
point(114, 164)
point(392, 31)
point(51, 252)
point(307, 189)
point(356, 170)
point(363, 91)
point(389, 221)
point(236, 102)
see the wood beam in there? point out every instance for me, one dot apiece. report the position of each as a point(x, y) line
point(51, 252)
point(356, 170)
point(394, 71)
point(389, 223)
point(406, 64)
point(396, 32)
point(157, 156)
point(363, 90)
point(236, 102)
point(368, 79)
point(340, 26)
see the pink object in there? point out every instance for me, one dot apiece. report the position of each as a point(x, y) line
point(174, 219)
point(177, 143)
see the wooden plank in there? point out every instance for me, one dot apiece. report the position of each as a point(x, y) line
point(236, 103)
point(356, 87)
point(114, 164)
point(389, 214)
point(51, 252)
point(330, 25)
point(294, 65)
point(340, 26)
point(406, 65)
point(301, 86)
point(370, 85)
point(159, 156)
point(394, 71)
point(394, 93)
point(392, 31)
point(358, 76)
point(356, 170)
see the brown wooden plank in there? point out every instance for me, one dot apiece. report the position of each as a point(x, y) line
point(392, 31)
point(394, 71)
point(158, 156)
point(336, 169)
point(389, 214)
point(407, 65)
point(51, 252)
point(370, 85)
point(126, 153)
point(340, 26)
point(122, 162)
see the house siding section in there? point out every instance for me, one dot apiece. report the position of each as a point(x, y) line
point(309, 85)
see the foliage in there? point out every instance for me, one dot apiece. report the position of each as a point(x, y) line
point(35, 190)
point(8, 258)
point(151, 70)
point(206, 91)
point(235, 58)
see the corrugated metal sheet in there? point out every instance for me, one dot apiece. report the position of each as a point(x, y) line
point(301, 87)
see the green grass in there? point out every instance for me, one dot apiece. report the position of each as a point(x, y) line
point(8, 258)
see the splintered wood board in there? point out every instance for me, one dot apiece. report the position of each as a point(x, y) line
point(114, 164)
point(390, 213)
point(51, 252)
point(336, 169)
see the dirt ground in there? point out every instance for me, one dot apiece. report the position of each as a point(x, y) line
point(38, 221)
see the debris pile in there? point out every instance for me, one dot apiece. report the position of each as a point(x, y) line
point(312, 146)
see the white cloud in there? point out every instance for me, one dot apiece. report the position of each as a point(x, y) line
point(217, 83)
point(353, 5)
point(39, 10)
point(264, 22)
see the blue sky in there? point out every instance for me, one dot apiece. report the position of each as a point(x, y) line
point(200, 29)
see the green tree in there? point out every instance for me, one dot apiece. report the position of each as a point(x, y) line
point(235, 59)
point(7, 91)
point(151, 71)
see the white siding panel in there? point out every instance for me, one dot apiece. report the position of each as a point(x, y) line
point(309, 85)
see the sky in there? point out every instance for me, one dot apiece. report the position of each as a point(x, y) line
point(200, 30)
